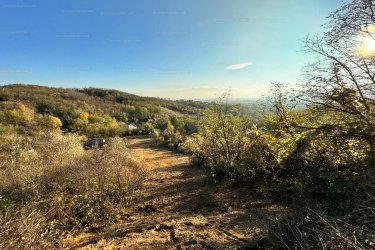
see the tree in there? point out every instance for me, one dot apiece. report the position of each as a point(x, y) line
point(80, 123)
point(177, 122)
point(341, 83)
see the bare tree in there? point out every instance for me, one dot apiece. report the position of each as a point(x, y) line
point(342, 80)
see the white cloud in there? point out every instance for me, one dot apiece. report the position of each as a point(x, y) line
point(239, 66)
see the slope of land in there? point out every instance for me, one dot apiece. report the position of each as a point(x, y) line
point(61, 102)
point(179, 208)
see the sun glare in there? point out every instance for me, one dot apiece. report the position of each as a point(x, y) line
point(366, 46)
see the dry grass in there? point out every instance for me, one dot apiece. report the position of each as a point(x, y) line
point(50, 185)
point(312, 228)
point(178, 207)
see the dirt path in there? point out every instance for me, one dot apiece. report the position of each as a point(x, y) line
point(179, 208)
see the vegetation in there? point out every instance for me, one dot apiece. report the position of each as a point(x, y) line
point(91, 112)
point(49, 184)
point(230, 146)
point(316, 145)
point(313, 149)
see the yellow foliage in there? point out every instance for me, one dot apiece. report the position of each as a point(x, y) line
point(52, 121)
point(23, 114)
point(170, 128)
point(22, 107)
point(84, 116)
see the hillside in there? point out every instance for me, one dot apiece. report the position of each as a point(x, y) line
point(63, 103)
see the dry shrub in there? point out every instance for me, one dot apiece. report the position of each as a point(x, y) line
point(312, 228)
point(109, 172)
point(24, 228)
point(50, 185)
point(27, 159)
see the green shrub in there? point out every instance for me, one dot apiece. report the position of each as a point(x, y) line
point(231, 147)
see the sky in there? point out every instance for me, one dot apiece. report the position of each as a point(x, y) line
point(186, 49)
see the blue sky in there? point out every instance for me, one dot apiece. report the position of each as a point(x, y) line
point(167, 48)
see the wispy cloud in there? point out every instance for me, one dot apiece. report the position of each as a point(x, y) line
point(239, 66)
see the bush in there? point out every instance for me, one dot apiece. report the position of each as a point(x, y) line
point(171, 137)
point(231, 147)
point(51, 185)
point(308, 228)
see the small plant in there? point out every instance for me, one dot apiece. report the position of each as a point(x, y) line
point(4, 203)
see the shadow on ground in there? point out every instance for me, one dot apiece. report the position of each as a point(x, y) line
point(179, 207)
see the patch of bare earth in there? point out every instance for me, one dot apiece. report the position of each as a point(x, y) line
point(179, 208)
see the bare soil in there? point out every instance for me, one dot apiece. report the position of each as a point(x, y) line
point(178, 207)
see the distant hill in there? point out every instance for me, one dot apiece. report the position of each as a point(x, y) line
point(67, 103)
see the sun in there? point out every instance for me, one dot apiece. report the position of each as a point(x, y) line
point(366, 47)
point(366, 42)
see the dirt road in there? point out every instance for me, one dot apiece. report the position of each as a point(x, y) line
point(178, 207)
